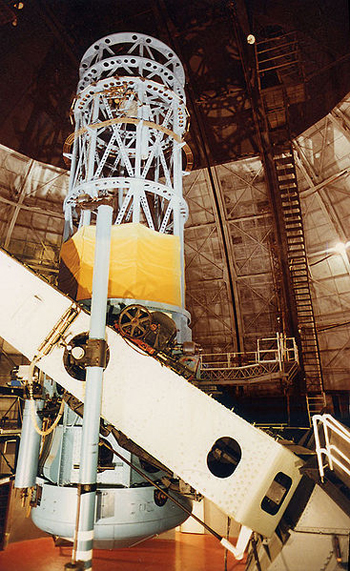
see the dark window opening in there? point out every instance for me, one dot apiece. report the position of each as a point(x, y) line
point(105, 456)
point(276, 493)
point(224, 457)
point(160, 499)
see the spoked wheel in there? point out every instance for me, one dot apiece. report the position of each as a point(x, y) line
point(134, 321)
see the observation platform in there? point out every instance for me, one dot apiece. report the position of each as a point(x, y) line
point(275, 359)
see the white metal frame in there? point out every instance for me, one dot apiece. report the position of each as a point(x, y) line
point(133, 382)
point(328, 450)
point(279, 350)
point(130, 118)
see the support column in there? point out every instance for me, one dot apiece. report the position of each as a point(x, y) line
point(93, 392)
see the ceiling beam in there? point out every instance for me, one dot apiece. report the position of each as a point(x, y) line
point(21, 197)
point(325, 203)
point(338, 117)
point(35, 209)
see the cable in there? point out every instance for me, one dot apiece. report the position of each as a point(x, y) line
point(226, 544)
point(131, 344)
point(32, 403)
point(333, 326)
point(53, 425)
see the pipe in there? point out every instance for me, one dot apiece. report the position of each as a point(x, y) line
point(237, 551)
point(28, 454)
point(93, 392)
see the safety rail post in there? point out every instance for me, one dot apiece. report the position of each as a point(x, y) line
point(330, 424)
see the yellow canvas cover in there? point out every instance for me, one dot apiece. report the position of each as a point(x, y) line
point(144, 264)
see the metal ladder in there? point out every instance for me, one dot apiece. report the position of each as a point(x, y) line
point(315, 405)
point(297, 262)
point(274, 59)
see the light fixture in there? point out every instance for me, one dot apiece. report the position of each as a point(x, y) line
point(341, 248)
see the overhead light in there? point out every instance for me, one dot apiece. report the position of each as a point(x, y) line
point(251, 39)
point(341, 248)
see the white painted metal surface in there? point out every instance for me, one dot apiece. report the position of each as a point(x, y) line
point(170, 418)
point(310, 545)
point(28, 455)
point(30, 308)
point(330, 454)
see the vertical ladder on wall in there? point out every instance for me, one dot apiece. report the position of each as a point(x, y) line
point(280, 83)
point(316, 404)
point(278, 62)
point(297, 262)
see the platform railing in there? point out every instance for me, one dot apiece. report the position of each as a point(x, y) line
point(332, 440)
point(10, 414)
point(278, 349)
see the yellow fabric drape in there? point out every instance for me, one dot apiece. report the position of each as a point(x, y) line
point(144, 264)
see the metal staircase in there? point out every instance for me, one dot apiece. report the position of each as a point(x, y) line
point(281, 83)
point(316, 404)
point(332, 447)
point(297, 263)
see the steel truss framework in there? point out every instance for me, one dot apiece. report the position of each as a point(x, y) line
point(31, 217)
point(129, 131)
point(32, 227)
point(130, 119)
point(275, 359)
point(259, 373)
point(33, 112)
point(323, 173)
point(247, 222)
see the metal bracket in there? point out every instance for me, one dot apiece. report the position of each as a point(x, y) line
point(86, 202)
point(87, 488)
point(96, 353)
point(58, 330)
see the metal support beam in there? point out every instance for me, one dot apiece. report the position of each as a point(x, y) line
point(21, 197)
point(93, 392)
point(319, 189)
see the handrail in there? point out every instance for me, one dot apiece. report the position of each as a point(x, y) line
point(278, 349)
point(329, 425)
point(12, 415)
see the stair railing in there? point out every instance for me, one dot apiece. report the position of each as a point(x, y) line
point(326, 427)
